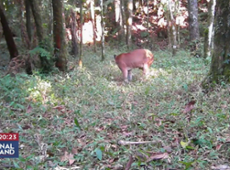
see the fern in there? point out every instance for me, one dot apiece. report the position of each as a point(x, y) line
point(41, 51)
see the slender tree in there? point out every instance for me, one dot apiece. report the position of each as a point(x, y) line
point(208, 44)
point(93, 24)
point(28, 18)
point(129, 23)
point(220, 65)
point(172, 28)
point(8, 35)
point(81, 35)
point(118, 18)
point(122, 19)
point(102, 32)
point(36, 10)
point(117, 11)
point(73, 30)
point(148, 22)
point(50, 21)
point(60, 50)
point(193, 20)
point(177, 23)
point(24, 31)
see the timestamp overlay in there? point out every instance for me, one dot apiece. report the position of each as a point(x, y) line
point(9, 145)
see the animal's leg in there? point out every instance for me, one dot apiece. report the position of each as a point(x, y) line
point(125, 74)
point(146, 70)
point(129, 75)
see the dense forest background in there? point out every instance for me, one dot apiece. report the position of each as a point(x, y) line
point(62, 91)
point(61, 29)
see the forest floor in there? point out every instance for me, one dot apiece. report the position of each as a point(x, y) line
point(89, 119)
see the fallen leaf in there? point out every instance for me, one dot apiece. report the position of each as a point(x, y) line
point(71, 159)
point(218, 146)
point(157, 156)
point(175, 142)
point(29, 109)
point(68, 157)
point(189, 106)
point(224, 106)
point(227, 140)
point(113, 160)
point(126, 134)
point(74, 151)
point(60, 108)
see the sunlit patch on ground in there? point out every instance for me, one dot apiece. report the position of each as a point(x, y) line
point(157, 72)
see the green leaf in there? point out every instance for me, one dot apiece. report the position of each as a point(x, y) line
point(187, 164)
point(41, 51)
point(183, 144)
point(174, 114)
point(102, 148)
point(16, 164)
point(98, 153)
point(77, 112)
point(77, 123)
point(185, 87)
point(110, 102)
point(20, 106)
point(210, 130)
point(190, 147)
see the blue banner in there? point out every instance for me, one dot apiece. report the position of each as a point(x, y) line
point(9, 149)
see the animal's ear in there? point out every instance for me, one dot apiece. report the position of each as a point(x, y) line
point(115, 55)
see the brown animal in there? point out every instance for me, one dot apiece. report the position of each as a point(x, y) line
point(140, 58)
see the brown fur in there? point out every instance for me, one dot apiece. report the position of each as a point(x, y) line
point(140, 58)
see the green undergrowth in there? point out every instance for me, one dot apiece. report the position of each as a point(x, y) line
point(77, 120)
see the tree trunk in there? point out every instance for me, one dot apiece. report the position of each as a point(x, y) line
point(129, 24)
point(220, 65)
point(118, 18)
point(177, 24)
point(24, 31)
point(50, 22)
point(102, 32)
point(59, 35)
point(193, 20)
point(93, 24)
point(117, 11)
point(81, 34)
point(208, 43)
point(148, 22)
point(8, 35)
point(169, 30)
point(122, 20)
point(73, 33)
point(36, 9)
point(28, 19)
point(172, 28)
